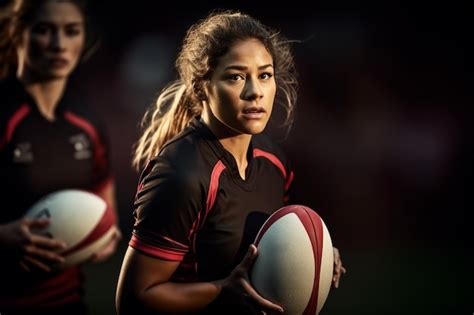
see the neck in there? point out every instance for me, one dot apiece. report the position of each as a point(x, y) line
point(236, 143)
point(238, 146)
point(46, 93)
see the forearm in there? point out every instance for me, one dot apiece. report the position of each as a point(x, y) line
point(170, 297)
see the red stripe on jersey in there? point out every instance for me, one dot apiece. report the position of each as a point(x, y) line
point(211, 199)
point(289, 180)
point(211, 196)
point(105, 223)
point(213, 186)
point(175, 242)
point(272, 158)
point(91, 131)
point(13, 122)
point(154, 251)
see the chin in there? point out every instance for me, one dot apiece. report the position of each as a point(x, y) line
point(59, 74)
point(254, 127)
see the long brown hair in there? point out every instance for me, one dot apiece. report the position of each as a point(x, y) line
point(203, 45)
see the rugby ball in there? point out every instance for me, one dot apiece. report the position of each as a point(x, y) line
point(80, 218)
point(294, 266)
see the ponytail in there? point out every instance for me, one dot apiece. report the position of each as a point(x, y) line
point(173, 111)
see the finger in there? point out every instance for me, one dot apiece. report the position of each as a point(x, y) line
point(335, 281)
point(32, 250)
point(343, 270)
point(38, 264)
point(47, 242)
point(337, 267)
point(264, 303)
point(36, 223)
point(249, 257)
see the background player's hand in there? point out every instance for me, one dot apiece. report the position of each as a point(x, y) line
point(238, 283)
point(109, 249)
point(338, 268)
point(36, 251)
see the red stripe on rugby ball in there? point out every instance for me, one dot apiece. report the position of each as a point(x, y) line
point(314, 227)
point(105, 223)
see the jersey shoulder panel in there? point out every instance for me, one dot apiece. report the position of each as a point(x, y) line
point(264, 143)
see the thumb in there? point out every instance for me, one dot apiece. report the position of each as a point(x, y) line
point(249, 257)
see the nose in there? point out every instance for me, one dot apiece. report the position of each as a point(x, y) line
point(252, 90)
point(58, 40)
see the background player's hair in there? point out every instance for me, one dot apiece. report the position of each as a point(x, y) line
point(16, 15)
point(204, 43)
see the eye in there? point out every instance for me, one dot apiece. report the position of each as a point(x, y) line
point(235, 77)
point(73, 30)
point(266, 75)
point(41, 29)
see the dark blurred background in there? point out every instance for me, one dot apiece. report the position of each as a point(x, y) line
point(381, 146)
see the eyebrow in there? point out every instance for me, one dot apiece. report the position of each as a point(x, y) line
point(239, 67)
point(72, 23)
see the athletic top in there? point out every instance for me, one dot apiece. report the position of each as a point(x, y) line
point(192, 206)
point(38, 157)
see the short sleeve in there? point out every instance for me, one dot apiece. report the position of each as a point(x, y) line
point(166, 208)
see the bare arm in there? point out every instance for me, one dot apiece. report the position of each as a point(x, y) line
point(144, 286)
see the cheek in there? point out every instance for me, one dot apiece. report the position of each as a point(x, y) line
point(36, 47)
point(77, 47)
point(227, 99)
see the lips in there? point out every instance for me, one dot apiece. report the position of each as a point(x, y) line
point(254, 112)
point(254, 109)
point(58, 62)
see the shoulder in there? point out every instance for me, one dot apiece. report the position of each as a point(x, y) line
point(189, 151)
point(181, 160)
point(264, 145)
point(80, 114)
point(12, 94)
point(174, 174)
point(12, 99)
point(81, 109)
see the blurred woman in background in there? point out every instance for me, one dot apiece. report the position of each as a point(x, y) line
point(48, 142)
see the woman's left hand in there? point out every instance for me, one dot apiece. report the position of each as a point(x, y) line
point(338, 268)
point(109, 249)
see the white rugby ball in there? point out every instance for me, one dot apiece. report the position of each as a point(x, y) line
point(294, 266)
point(80, 218)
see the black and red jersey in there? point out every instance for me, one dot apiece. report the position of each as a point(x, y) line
point(192, 205)
point(38, 157)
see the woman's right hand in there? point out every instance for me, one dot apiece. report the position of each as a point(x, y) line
point(238, 283)
point(37, 252)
